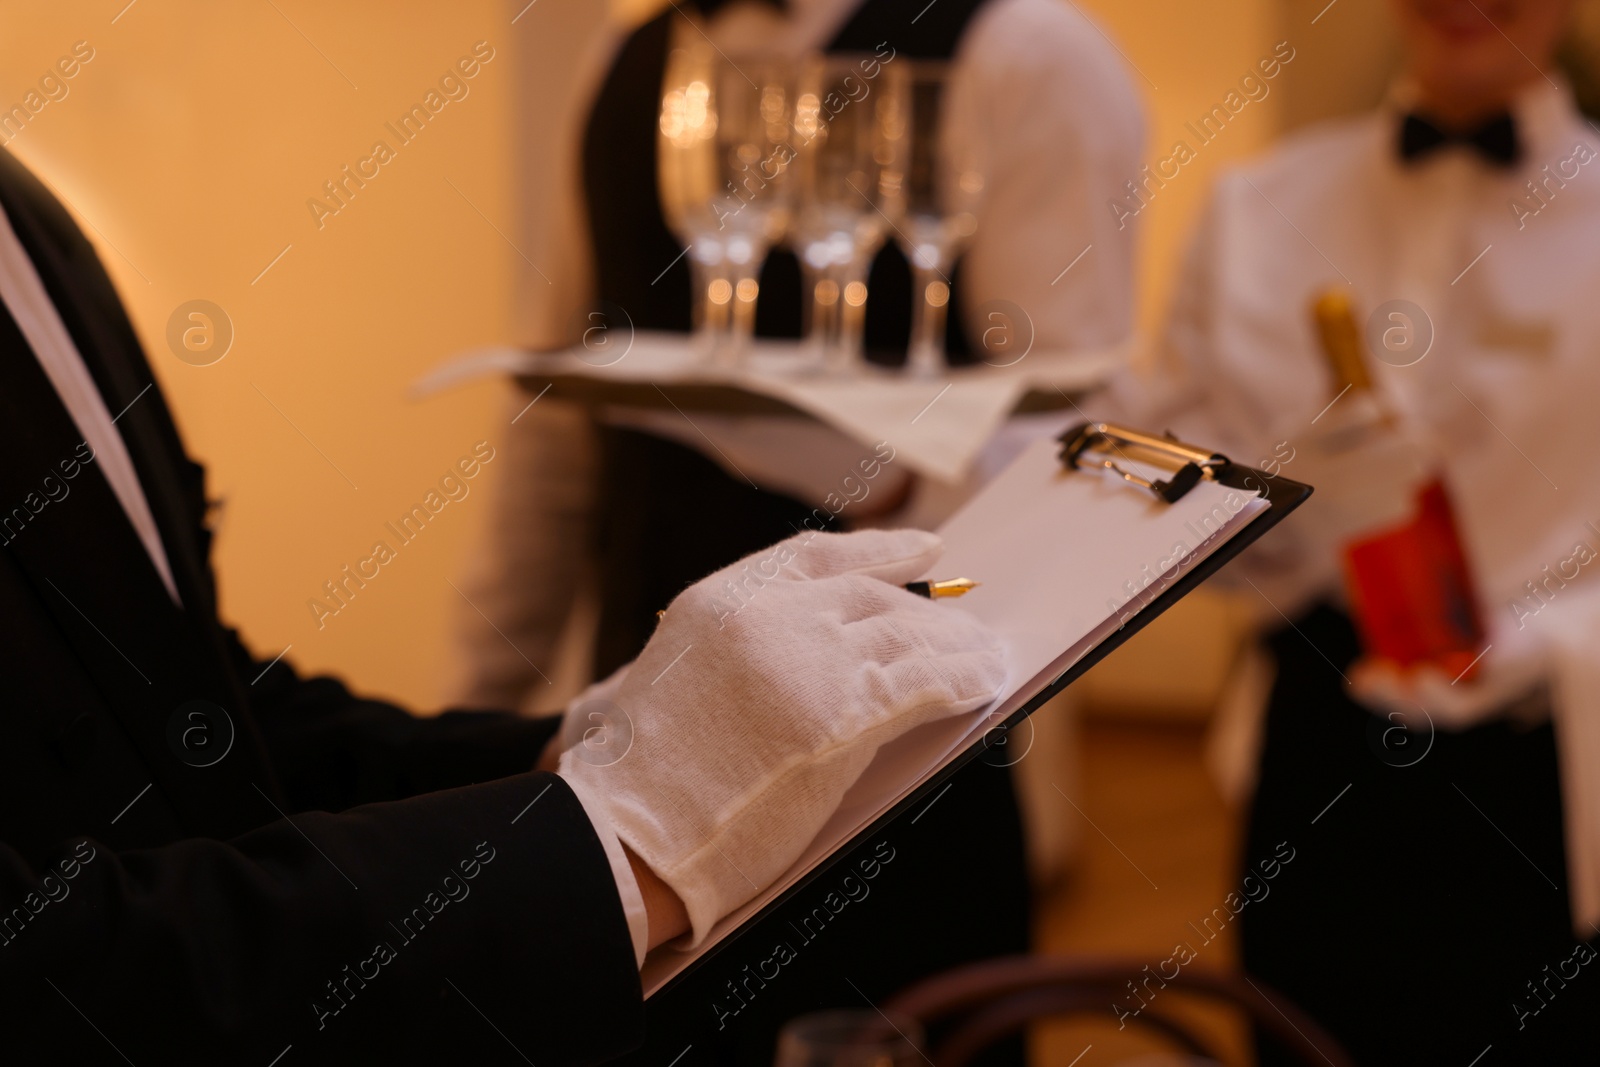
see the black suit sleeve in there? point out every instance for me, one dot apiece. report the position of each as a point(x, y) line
point(463, 920)
point(332, 749)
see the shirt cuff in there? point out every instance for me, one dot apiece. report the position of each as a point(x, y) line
point(621, 871)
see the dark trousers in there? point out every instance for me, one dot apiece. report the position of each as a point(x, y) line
point(957, 887)
point(1424, 916)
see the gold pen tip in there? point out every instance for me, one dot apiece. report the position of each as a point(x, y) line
point(953, 587)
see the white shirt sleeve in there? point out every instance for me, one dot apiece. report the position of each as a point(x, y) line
point(621, 870)
point(1063, 129)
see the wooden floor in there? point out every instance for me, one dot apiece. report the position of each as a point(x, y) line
point(1158, 853)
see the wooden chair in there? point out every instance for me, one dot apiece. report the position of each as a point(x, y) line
point(982, 1003)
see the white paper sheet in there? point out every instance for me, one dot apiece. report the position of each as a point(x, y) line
point(1064, 558)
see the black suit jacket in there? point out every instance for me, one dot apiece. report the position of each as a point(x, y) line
point(347, 882)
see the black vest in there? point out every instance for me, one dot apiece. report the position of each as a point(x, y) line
point(631, 240)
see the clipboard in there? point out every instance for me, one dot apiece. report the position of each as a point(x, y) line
point(1163, 471)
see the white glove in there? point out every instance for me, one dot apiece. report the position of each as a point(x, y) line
point(591, 719)
point(1424, 697)
point(761, 698)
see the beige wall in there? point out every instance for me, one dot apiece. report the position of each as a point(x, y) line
point(190, 145)
point(1187, 57)
point(1347, 69)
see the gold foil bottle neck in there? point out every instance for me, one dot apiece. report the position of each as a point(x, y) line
point(1342, 347)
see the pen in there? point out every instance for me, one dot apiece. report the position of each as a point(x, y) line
point(931, 590)
point(948, 587)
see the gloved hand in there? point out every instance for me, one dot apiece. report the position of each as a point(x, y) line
point(760, 699)
point(591, 719)
point(1424, 697)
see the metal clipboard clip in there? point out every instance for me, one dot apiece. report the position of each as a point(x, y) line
point(1188, 463)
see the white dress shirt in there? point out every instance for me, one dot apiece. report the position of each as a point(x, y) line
point(24, 295)
point(1512, 309)
point(1507, 391)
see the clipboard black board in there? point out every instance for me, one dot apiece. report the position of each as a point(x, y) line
point(690, 1020)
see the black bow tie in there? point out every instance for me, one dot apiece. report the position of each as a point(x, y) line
point(709, 8)
point(1496, 140)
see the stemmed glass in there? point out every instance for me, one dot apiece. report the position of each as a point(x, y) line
point(684, 158)
point(936, 197)
point(845, 119)
point(754, 202)
point(723, 165)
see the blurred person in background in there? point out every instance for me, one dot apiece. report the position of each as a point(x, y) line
point(643, 502)
point(1443, 897)
point(1065, 132)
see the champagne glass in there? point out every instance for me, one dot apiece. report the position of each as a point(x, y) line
point(752, 203)
point(938, 192)
point(850, 1039)
point(844, 122)
point(684, 163)
point(723, 174)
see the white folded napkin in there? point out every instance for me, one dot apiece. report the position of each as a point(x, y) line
point(937, 426)
point(1575, 700)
